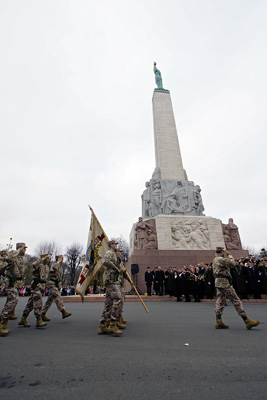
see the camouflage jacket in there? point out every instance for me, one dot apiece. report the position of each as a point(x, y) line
point(221, 271)
point(16, 270)
point(110, 275)
point(55, 275)
point(3, 264)
point(40, 273)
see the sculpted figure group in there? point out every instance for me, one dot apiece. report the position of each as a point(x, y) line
point(231, 236)
point(171, 198)
point(145, 235)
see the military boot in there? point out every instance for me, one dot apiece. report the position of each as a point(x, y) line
point(123, 320)
point(24, 322)
point(250, 323)
point(104, 328)
point(13, 315)
point(120, 324)
point(45, 318)
point(40, 323)
point(219, 324)
point(3, 327)
point(65, 314)
point(114, 329)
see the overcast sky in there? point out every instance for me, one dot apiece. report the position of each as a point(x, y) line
point(76, 86)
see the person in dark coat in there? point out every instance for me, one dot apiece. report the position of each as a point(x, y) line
point(263, 271)
point(159, 278)
point(241, 279)
point(209, 282)
point(166, 281)
point(194, 272)
point(176, 286)
point(155, 284)
point(148, 280)
point(185, 283)
point(170, 283)
point(254, 280)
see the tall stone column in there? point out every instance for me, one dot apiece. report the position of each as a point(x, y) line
point(167, 149)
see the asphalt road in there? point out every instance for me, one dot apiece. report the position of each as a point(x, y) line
point(68, 360)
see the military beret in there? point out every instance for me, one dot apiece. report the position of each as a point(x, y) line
point(219, 249)
point(3, 252)
point(21, 245)
point(59, 256)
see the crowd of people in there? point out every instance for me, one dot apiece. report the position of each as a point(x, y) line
point(26, 291)
point(249, 278)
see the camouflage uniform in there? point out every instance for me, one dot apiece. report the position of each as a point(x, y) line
point(221, 271)
point(114, 299)
point(16, 271)
point(3, 264)
point(40, 273)
point(54, 284)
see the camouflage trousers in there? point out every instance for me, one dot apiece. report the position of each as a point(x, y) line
point(228, 293)
point(35, 303)
point(113, 303)
point(54, 296)
point(11, 302)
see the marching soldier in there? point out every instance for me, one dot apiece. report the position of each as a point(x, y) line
point(3, 266)
point(113, 303)
point(54, 284)
point(222, 263)
point(40, 270)
point(15, 271)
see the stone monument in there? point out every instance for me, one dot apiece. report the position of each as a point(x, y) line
point(173, 229)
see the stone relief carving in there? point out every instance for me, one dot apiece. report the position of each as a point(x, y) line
point(145, 235)
point(231, 236)
point(190, 235)
point(171, 197)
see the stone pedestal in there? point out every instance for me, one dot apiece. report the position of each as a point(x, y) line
point(184, 233)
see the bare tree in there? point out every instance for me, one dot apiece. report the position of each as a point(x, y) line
point(50, 247)
point(73, 254)
point(250, 249)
